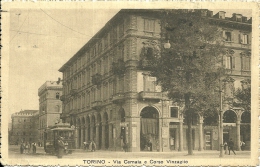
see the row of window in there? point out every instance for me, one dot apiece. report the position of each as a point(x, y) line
point(241, 38)
point(108, 39)
point(24, 120)
point(44, 97)
point(232, 63)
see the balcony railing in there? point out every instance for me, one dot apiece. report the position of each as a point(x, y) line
point(152, 95)
point(118, 98)
point(96, 105)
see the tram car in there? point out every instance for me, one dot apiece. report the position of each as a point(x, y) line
point(52, 134)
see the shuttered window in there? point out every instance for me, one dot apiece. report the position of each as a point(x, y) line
point(149, 25)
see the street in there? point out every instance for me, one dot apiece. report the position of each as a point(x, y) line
point(14, 152)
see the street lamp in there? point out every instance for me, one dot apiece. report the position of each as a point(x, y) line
point(220, 122)
point(167, 45)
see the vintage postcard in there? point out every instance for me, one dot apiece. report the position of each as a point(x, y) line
point(129, 83)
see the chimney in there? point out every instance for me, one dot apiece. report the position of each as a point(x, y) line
point(244, 19)
point(221, 14)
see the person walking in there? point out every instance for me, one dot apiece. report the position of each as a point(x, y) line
point(242, 145)
point(226, 147)
point(231, 146)
point(93, 146)
point(34, 148)
point(60, 147)
point(22, 148)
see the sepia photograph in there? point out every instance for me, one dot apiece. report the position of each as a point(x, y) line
point(152, 86)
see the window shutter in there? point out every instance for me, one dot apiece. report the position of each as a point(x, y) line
point(232, 36)
point(233, 60)
point(223, 33)
point(240, 39)
point(249, 39)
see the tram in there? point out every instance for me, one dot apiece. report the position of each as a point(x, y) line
point(52, 134)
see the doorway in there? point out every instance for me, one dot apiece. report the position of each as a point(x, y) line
point(149, 132)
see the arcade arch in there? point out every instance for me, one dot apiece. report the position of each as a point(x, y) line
point(149, 132)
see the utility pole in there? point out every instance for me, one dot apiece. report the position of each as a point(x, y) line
point(221, 123)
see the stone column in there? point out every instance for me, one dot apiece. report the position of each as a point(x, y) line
point(200, 133)
point(238, 135)
point(97, 136)
point(176, 139)
point(76, 137)
point(86, 133)
point(103, 136)
point(81, 140)
point(91, 132)
point(181, 135)
point(111, 142)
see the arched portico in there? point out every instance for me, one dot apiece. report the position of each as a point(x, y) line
point(149, 129)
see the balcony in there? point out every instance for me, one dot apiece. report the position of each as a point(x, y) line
point(145, 65)
point(118, 98)
point(152, 95)
point(62, 98)
point(73, 92)
point(96, 105)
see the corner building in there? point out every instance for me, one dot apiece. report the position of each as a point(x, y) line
point(110, 98)
point(50, 106)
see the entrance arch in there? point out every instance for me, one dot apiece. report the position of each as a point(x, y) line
point(245, 130)
point(149, 132)
point(229, 117)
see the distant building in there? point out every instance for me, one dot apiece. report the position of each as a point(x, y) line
point(24, 127)
point(50, 105)
point(110, 97)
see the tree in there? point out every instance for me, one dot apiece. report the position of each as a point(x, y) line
point(190, 70)
point(243, 98)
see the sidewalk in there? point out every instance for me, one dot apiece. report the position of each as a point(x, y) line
point(80, 153)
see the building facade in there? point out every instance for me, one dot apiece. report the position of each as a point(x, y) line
point(110, 98)
point(24, 127)
point(50, 106)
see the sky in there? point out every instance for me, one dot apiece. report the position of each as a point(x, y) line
point(42, 40)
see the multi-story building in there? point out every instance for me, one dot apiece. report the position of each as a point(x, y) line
point(50, 105)
point(110, 98)
point(24, 127)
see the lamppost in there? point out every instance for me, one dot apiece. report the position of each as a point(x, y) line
point(220, 125)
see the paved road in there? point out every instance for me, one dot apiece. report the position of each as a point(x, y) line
point(81, 154)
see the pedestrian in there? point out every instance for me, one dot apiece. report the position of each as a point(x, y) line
point(34, 148)
point(126, 146)
point(26, 148)
point(93, 146)
point(226, 147)
point(242, 145)
point(60, 147)
point(231, 146)
point(22, 148)
point(150, 145)
point(85, 145)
